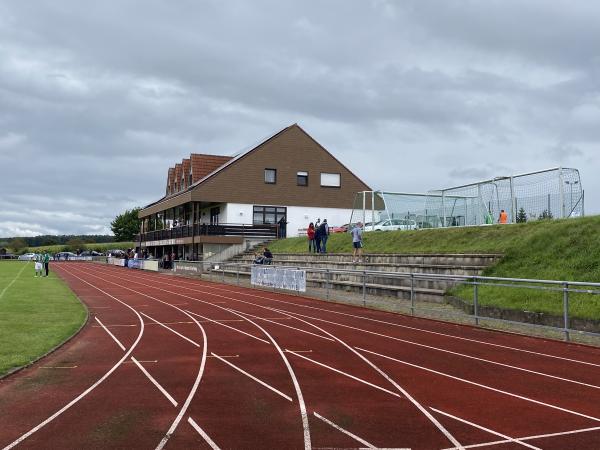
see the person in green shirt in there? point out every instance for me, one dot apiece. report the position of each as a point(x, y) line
point(46, 262)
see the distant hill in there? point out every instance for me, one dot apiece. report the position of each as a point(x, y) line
point(48, 239)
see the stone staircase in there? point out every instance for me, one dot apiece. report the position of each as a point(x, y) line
point(337, 271)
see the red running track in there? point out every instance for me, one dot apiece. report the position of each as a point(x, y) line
point(170, 362)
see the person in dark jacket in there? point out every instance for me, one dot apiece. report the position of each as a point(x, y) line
point(317, 239)
point(324, 232)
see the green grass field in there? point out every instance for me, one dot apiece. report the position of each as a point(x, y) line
point(550, 249)
point(36, 314)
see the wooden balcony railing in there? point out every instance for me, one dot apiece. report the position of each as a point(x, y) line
point(246, 231)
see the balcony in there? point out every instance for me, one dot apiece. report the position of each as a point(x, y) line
point(199, 230)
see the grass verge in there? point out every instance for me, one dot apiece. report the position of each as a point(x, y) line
point(36, 314)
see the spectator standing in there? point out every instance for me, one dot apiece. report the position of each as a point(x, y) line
point(38, 264)
point(357, 243)
point(324, 235)
point(317, 238)
point(282, 231)
point(310, 232)
point(46, 263)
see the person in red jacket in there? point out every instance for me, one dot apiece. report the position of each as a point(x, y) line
point(310, 232)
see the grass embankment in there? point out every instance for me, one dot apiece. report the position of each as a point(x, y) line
point(103, 247)
point(36, 314)
point(551, 250)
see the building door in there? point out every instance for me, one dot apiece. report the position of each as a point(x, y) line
point(214, 215)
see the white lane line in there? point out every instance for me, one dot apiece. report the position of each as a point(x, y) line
point(404, 392)
point(360, 380)
point(227, 326)
point(13, 281)
point(346, 432)
point(117, 325)
point(154, 382)
point(224, 356)
point(171, 330)
point(145, 361)
point(568, 380)
point(291, 327)
point(171, 323)
point(202, 433)
point(287, 397)
point(110, 334)
point(196, 383)
point(299, 396)
point(521, 397)
point(370, 319)
point(480, 427)
point(93, 386)
point(530, 438)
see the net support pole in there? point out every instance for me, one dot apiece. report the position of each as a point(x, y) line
point(444, 209)
point(373, 207)
point(513, 204)
point(364, 207)
point(561, 184)
point(479, 219)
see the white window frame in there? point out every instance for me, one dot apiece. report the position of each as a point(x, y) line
point(331, 179)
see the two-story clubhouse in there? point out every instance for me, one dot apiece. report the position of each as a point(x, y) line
point(215, 206)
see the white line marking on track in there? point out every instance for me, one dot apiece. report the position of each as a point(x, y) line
point(227, 326)
point(404, 392)
point(149, 361)
point(14, 279)
point(568, 380)
point(93, 386)
point(154, 382)
point(171, 330)
point(116, 326)
point(291, 327)
point(277, 391)
point(202, 433)
point(110, 334)
point(223, 356)
point(346, 432)
point(480, 427)
point(360, 380)
point(530, 438)
point(482, 385)
point(196, 383)
point(298, 351)
point(169, 323)
point(370, 319)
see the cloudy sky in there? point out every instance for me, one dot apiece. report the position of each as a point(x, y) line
point(98, 99)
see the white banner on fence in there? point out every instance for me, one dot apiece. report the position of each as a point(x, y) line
point(144, 264)
point(279, 278)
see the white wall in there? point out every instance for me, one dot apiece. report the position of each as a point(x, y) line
point(299, 217)
point(230, 213)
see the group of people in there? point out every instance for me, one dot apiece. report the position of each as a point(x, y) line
point(42, 264)
point(318, 233)
point(265, 258)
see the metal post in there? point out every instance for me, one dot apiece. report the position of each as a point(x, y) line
point(237, 273)
point(364, 207)
point(364, 288)
point(566, 309)
point(327, 275)
point(444, 209)
point(475, 301)
point(562, 192)
point(223, 274)
point(412, 294)
point(373, 207)
point(513, 204)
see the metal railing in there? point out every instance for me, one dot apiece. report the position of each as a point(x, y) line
point(339, 284)
point(246, 231)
